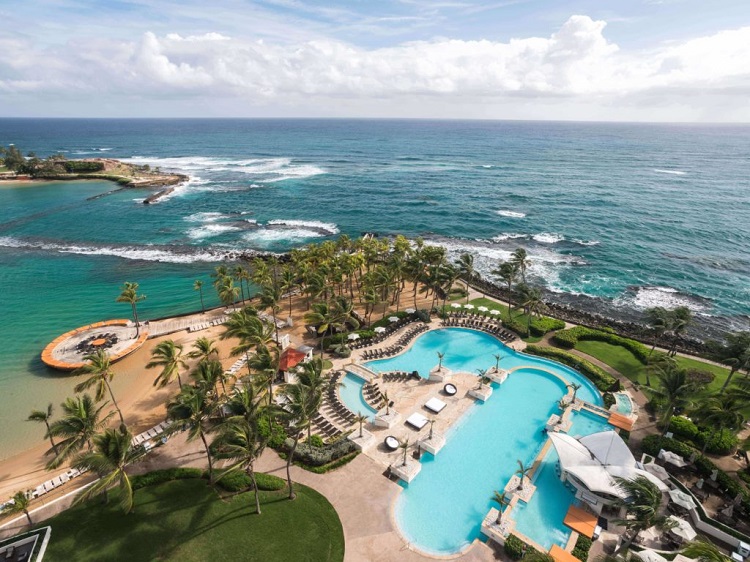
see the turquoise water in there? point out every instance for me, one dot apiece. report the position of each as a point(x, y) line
point(542, 518)
point(469, 350)
point(585, 200)
point(351, 396)
point(624, 403)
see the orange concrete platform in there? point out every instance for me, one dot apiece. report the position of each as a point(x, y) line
point(581, 521)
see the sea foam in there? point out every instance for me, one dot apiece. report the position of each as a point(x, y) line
point(511, 214)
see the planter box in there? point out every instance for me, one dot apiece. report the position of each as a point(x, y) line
point(498, 376)
point(440, 375)
point(386, 420)
point(363, 442)
point(493, 530)
point(432, 445)
point(406, 473)
point(482, 393)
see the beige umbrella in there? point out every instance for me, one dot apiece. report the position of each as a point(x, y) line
point(682, 499)
point(682, 529)
point(648, 555)
point(659, 471)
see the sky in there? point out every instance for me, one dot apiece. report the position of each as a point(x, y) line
point(598, 60)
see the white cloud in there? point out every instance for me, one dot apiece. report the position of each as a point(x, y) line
point(577, 63)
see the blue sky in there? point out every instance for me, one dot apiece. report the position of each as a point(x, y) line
point(639, 60)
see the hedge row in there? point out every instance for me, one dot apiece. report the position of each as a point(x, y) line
point(539, 326)
point(318, 456)
point(582, 547)
point(239, 481)
point(76, 166)
point(166, 475)
point(603, 380)
point(570, 337)
point(720, 443)
point(652, 443)
point(514, 547)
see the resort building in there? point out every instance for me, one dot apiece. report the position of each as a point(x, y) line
point(590, 464)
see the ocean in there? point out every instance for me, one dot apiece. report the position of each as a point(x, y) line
point(616, 217)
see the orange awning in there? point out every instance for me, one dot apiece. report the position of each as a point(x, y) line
point(581, 521)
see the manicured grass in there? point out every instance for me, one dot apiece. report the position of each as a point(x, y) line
point(186, 520)
point(622, 360)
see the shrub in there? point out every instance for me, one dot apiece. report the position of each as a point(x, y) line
point(318, 456)
point(582, 547)
point(603, 380)
point(159, 476)
point(518, 327)
point(721, 443)
point(239, 481)
point(274, 436)
point(423, 314)
point(609, 400)
point(545, 324)
point(514, 547)
point(683, 427)
point(700, 377)
point(79, 167)
point(316, 441)
point(346, 459)
point(570, 337)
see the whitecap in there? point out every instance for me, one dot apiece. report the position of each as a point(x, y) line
point(508, 236)
point(548, 238)
point(656, 296)
point(487, 166)
point(209, 216)
point(586, 242)
point(266, 237)
point(209, 230)
point(323, 227)
point(511, 214)
point(673, 172)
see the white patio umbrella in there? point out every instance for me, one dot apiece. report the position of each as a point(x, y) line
point(682, 499)
point(683, 530)
point(393, 318)
point(352, 337)
point(659, 471)
point(672, 458)
point(410, 310)
point(379, 330)
point(482, 309)
point(648, 555)
point(494, 312)
point(469, 306)
point(456, 305)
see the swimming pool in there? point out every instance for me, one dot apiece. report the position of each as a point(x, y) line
point(441, 511)
point(624, 403)
point(352, 398)
point(469, 350)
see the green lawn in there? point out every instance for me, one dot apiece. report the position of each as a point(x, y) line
point(186, 520)
point(621, 359)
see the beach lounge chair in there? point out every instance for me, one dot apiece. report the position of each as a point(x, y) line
point(391, 443)
point(416, 420)
point(450, 389)
point(435, 405)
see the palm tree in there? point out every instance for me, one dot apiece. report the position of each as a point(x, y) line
point(497, 357)
point(265, 365)
point(269, 298)
point(112, 452)
point(228, 292)
point(20, 504)
point(719, 413)
point(129, 294)
point(288, 284)
point(532, 303)
point(507, 272)
point(704, 551)
point(249, 329)
point(522, 472)
point(502, 501)
point(361, 420)
point(198, 286)
point(658, 319)
point(440, 360)
point(520, 260)
point(465, 265)
point(208, 375)
point(43, 416)
point(238, 274)
point(77, 427)
point(735, 353)
point(326, 317)
point(405, 446)
point(192, 406)
point(302, 404)
point(675, 389)
point(100, 374)
point(641, 503)
point(168, 356)
point(575, 388)
point(204, 349)
point(241, 441)
point(680, 319)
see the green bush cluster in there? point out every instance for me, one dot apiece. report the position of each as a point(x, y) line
point(545, 324)
point(570, 337)
point(346, 459)
point(239, 481)
point(518, 327)
point(316, 441)
point(609, 400)
point(720, 443)
point(704, 466)
point(603, 380)
point(166, 475)
point(318, 456)
point(514, 547)
point(700, 377)
point(274, 436)
point(80, 167)
point(582, 547)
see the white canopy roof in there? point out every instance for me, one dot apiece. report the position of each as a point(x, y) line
point(597, 459)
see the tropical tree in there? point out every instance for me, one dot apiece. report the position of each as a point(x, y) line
point(269, 298)
point(641, 502)
point(502, 501)
point(301, 406)
point(100, 374)
point(680, 319)
point(168, 356)
point(113, 451)
point(326, 317)
point(198, 286)
point(241, 441)
point(522, 472)
point(675, 389)
point(288, 284)
point(658, 319)
point(238, 274)
point(193, 407)
point(265, 365)
point(208, 375)
point(704, 551)
point(129, 294)
point(228, 292)
point(735, 353)
point(79, 423)
point(44, 416)
point(507, 273)
point(440, 360)
point(405, 446)
point(361, 420)
point(250, 330)
point(575, 388)
point(465, 265)
point(497, 357)
point(20, 504)
point(204, 349)
point(721, 412)
point(532, 303)
point(520, 260)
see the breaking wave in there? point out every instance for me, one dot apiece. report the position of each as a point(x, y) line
point(511, 214)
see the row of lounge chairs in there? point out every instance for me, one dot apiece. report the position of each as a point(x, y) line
point(381, 353)
point(57, 481)
point(393, 327)
point(338, 412)
point(399, 376)
point(373, 395)
point(205, 325)
point(325, 427)
point(145, 437)
point(236, 366)
point(489, 327)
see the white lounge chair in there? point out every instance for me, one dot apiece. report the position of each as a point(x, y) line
point(416, 420)
point(435, 405)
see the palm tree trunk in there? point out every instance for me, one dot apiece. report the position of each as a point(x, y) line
point(179, 380)
point(210, 462)
point(137, 324)
point(114, 403)
point(255, 487)
point(28, 516)
point(729, 378)
point(203, 307)
point(52, 441)
point(289, 464)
